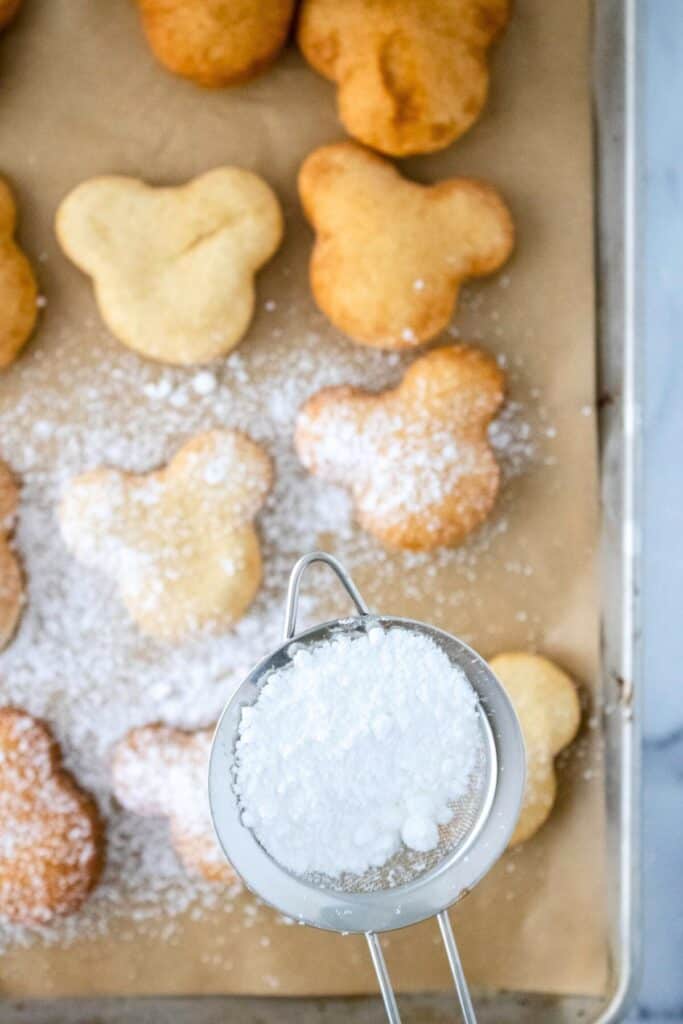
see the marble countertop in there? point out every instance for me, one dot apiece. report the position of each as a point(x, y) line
point(661, 213)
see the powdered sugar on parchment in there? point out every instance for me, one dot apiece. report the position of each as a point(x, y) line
point(80, 662)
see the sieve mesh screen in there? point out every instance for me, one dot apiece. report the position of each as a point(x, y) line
point(469, 810)
point(408, 865)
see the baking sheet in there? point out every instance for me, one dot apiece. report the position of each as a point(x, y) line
point(538, 922)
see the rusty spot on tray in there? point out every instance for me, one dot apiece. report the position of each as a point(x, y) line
point(624, 691)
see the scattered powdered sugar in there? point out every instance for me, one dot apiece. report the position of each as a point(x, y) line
point(204, 383)
point(354, 746)
point(78, 660)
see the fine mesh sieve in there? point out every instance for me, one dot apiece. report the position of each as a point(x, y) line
point(410, 887)
point(406, 865)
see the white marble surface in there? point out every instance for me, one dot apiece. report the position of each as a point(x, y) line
point(661, 212)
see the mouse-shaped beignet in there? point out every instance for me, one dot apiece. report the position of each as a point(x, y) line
point(51, 834)
point(216, 42)
point(549, 713)
point(173, 268)
point(18, 290)
point(180, 541)
point(158, 771)
point(8, 10)
point(411, 76)
point(390, 255)
point(11, 580)
point(416, 459)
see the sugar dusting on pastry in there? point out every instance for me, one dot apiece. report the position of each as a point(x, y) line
point(161, 772)
point(51, 840)
point(179, 541)
point(78, 659)
point(416, 458)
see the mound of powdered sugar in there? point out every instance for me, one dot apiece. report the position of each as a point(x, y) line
point(355, 746)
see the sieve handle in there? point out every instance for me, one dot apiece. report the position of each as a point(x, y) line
point(455, 965)
point(294, 588)
point(379, 963)
point(385, 987)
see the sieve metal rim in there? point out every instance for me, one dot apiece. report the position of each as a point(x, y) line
point(414, 901)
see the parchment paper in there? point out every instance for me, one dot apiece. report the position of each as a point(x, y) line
point(81, 95)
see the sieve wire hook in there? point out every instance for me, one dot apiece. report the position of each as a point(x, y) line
point(378, 961)
point(292, 606)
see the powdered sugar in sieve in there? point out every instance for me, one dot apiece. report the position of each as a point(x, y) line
point(362, 762)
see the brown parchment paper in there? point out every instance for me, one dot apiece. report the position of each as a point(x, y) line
point(81, 95)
